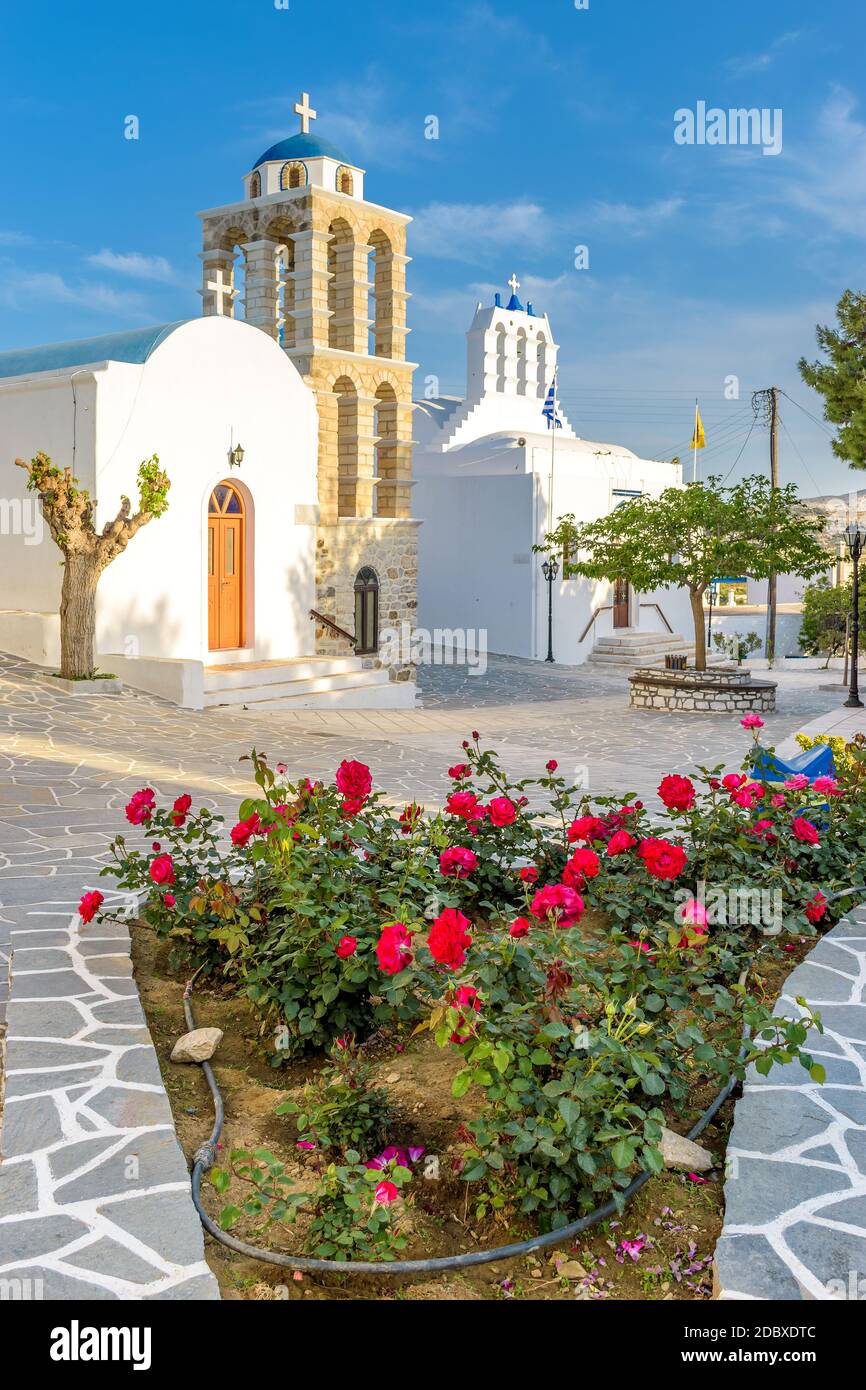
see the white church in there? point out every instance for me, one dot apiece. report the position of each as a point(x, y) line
point(493, 471)
point(283, 418)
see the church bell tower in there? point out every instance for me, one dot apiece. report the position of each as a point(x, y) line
point(323, 272)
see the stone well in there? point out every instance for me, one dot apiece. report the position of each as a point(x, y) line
point(721, 689)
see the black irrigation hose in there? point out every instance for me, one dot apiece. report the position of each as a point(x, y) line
point(205, 1158)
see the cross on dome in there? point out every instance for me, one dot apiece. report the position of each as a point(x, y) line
point(306, 112)
point(514, 283)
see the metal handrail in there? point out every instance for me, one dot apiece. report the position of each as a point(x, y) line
point(660, 613)
point(318, 617)
point(605, 608)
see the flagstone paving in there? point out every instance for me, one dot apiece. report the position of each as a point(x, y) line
point(795, 1197)
point(93, 1185)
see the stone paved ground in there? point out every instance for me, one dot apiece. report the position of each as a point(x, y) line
point(795, 1197)
point(83, 1094)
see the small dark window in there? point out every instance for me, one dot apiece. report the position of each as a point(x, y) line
point(366, 612)
point(256, 186)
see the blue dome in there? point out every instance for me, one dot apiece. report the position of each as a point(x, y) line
point(301, 147)
point(133, 345)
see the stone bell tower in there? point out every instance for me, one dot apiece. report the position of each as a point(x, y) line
point(324, 274)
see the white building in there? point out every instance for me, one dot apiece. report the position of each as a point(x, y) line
point(288, 537)
point(492, 478)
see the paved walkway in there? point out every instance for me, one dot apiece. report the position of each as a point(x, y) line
point(93, 1187)
point(795, 1197)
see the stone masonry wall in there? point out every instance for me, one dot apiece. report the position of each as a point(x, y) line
point(388, 547)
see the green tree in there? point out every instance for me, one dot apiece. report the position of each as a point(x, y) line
point(842, 379)
point(826, 611)
point(690, 535)
point(68, 510)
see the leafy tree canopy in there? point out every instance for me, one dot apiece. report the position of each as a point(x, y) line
point(841, 379)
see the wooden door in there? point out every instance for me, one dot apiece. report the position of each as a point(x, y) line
point(225, 569)
point(621, 603)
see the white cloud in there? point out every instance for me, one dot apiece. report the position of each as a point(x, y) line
point(746, 64)
point(22, 288)
point(634, 219)
point(471, 231)
point(829, 173)
point(135, 265)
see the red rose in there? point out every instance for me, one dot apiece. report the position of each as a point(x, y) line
point(502, 812)
point(459, 770)
point(457, 862)
point(141, 807)
point(180, 809)
point(586, 828)
point(816, 908)
point(354, 780)
point(559, 903)
point(169, 900)
point(519, 927)
point(677, 793)
point(552, 765)
point(583, 864)
point(733, 781)
point(244, 831)
point(449, 938)
point(804, 830)
point(620, 842)
point(463, 804)
point(529, 874)
point(90, 905)
point(392, 949)
point(346, 946)
point(467, 1001)
point(662, 859)
point(351, 807)
point(162, 869)
point(410, 818)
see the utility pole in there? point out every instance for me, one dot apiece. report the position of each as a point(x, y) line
point(768, 401)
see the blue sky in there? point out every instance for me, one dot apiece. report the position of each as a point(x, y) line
point(556, 130)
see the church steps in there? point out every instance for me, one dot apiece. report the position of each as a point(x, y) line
point(629, 650)
point(322, 680)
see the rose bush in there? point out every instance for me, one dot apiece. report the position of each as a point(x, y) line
point(585, 955)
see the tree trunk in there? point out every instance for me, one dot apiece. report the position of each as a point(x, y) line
point(697, 600)
point(78, 615)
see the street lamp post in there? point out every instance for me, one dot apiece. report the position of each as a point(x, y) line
point(855, 539)
point(550, 569)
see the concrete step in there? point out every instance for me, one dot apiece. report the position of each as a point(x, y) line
point(632, 641)
point(291, 685)
point(251, 674)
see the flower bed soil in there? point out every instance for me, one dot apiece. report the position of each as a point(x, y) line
point(670, 1228)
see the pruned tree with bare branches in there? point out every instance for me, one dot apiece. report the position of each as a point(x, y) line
point(68, 511)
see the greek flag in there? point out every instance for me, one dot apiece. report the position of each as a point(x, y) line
point(550, 412)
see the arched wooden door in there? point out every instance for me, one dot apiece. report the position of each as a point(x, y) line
point(225, 568)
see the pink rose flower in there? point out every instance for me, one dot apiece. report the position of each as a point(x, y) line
point(752, 721)
point(502, 812)
point(354, 780)
point(558, 903)
point(392, 949)
point(346, 947)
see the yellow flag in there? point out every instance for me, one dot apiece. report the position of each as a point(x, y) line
point(699, 439)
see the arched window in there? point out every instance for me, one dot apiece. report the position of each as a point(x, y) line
point(345, 182)
point(385, 430)
point(366, 612)
point(293, 175)
point(381, 295)
point(501, 347)
point(347, 446)
point(256, 185)
point(541, 360)
point(521, 363)
point(341, 286)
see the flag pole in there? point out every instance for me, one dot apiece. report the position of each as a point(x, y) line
point(552, 459)
point(695, 446)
